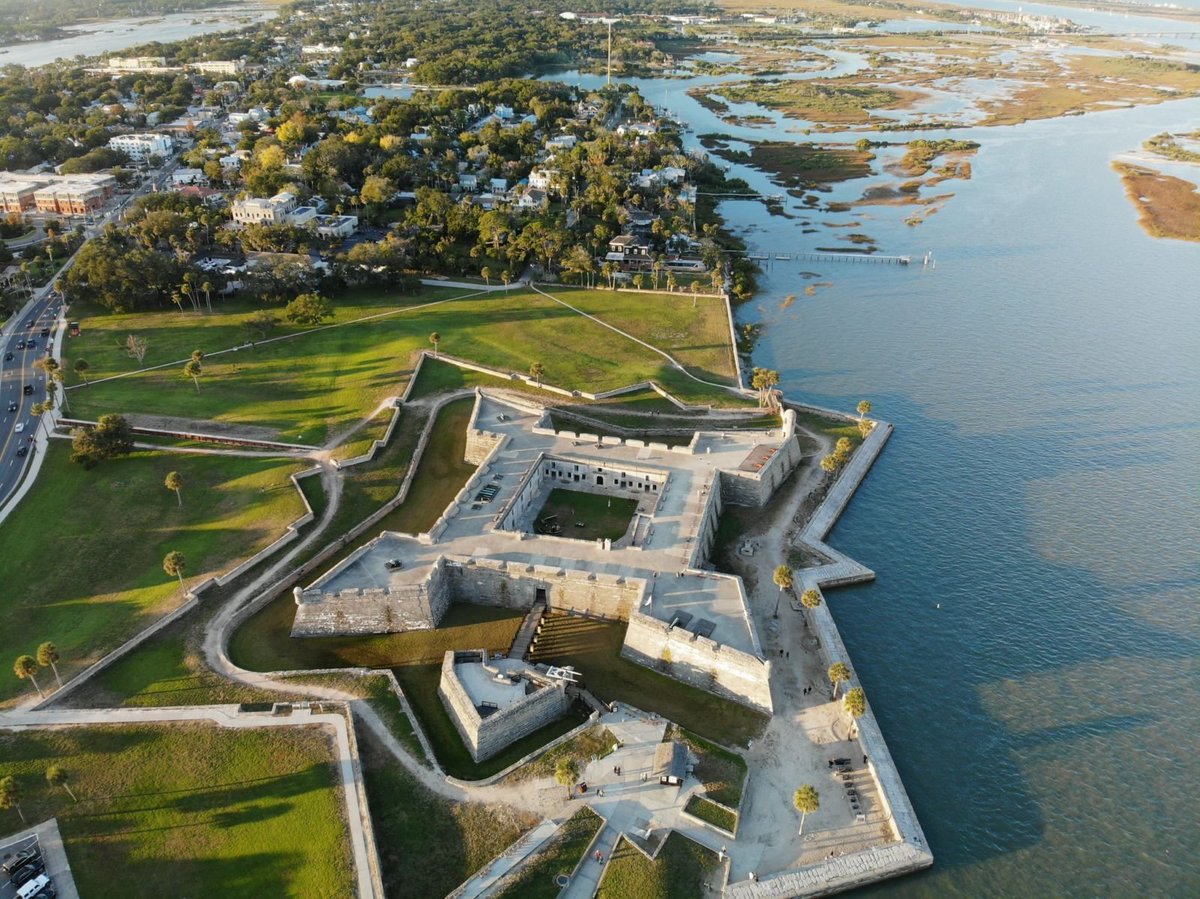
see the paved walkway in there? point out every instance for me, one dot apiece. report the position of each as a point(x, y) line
point(586, 881)
point(512, 857)
point(228, 716)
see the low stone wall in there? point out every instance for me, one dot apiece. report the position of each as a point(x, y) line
point(698, 661)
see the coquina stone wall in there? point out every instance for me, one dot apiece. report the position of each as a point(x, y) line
point(490, 582)
point(755, 488)
point(698, 661)
point(484, 737)
point(373, 611)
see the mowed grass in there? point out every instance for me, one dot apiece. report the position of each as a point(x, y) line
point(679, 872)
point(429, 845)
point(81, 556)
point(694, 330)
point(593, 648)
point(319, 383)
point(188, 810)
point(601, 517)
point(537, 880)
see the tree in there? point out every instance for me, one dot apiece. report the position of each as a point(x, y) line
point(40, 409)
point(174, 482)
point(830, 464)
point(537, 371)
point(261, 323)
point(843, 448)
point(855, 704)
point(135, 347)
point(566, 772)
point(764, 380)
point(506, 277)
point(782, 576)
point(54, 373)
point(839, 673)
point(81, 369)
point(47, 657)
point(111, 437)
point(864, 409)
point(308, 309)
point(810, 598)
point(10, 795)
point(435, 338)
point(807, 801)
point(26, 667)
point(193, 370)
point(174, 564)
point(56, 776)
point(486, 274)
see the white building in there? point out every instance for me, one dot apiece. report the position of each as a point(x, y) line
point(180, 177)
point(140, 147)
point(336, 226)
point(543, 179)
point(320, 49)
point(217, 66)
point(263, 210)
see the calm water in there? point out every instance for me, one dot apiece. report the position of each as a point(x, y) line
point(1030, 646)
point(120, 34)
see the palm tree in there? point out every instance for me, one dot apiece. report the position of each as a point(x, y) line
point(81, 368)
point(435, 338)
point(10, 796)
point(566, 772)
point(192, 370)
point(174, 564)
point(839, 673)
point(207, 288)
point(57, 777)
point(506, 277)
point(855, 704)
point(537, 371)
point(807, 801)
point(864, 408)
point(672, 282)
point(830, 464)
point(47, 656)
point(811, 598)
point(26, 667)
point(40, 409)
point(486, 274)
point(782, 576)
point(174, 482)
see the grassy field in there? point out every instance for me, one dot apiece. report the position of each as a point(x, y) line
point(593, 648)
point(1167, 206)
point(679, 872)
point(427, 844)
point(722, 772)
point(98, 574)
point(233, 813)
point(832, 102)
point(714, 814)
point(602, 517)
point(593, 743)
point(315, 384)
point(698, 337)
point(566, 847)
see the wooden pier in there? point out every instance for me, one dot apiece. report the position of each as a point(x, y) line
point(869, 258)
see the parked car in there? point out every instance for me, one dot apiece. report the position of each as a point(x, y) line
point(8, 357)
point(393, 564)
point(27, 871)
point(19, 859)
point(38, 887)
point(45, 332)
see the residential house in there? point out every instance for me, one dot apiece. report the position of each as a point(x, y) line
point(532, 198)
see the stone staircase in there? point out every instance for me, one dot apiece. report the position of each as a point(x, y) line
point(523, 640)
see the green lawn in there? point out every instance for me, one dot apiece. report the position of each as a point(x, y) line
point(697, 337)
point(593, 648)
point(537, 880)
point(714, 814)
point(601, 517)
point(593, 743)
point(679, 872)
point(722, 772)
point(427, 844)
point(169, 810)
point(93, 543)
point(319, 383)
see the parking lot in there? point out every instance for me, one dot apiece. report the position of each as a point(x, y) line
point(44, 837)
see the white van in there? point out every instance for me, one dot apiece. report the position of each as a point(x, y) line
point(34, 886)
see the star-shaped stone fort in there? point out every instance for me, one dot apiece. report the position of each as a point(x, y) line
point(509, 539)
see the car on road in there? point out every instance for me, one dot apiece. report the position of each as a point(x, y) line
point(45, 332)
point(20, 344)
point(28, 390)
point(22, 450)
point(32, 344)
point(12, 407)
point(20, 427)
point(8, 357)
point(21, 858)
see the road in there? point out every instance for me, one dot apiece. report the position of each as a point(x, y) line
point(15, 373)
